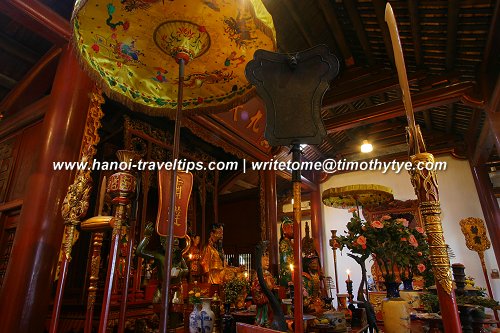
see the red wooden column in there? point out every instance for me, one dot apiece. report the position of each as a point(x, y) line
point(317, 219)
point(489, 205)
point(25, 297)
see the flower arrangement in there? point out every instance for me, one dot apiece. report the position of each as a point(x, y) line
point(195, 295)
point(399, 251)
point(234, 288)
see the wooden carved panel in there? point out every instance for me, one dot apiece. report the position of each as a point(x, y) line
point(8, 225)
point(28, 148)
point(7, 151)
point(396, 209)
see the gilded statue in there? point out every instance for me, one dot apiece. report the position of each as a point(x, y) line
point(286, 251)
point(212, 257)
point(194, 257)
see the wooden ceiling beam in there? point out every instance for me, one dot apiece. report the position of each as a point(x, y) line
point(451, 45)
point(305, 183)
point(358, 90)
point(482, 149)
point(303, 28)
point(316, 150)
point(493, 112)
point(13, 47)
point(492, 48)
point(358, 78)
point(35, 83)
point(336, 30)
point(470, 137)
point(7, 82)
point(450, 111)
point(415, 32)
point(432, 138)
point(39, 18)
point(380, 13)
point(421, 101)
point(427, 120)
point(352, 11)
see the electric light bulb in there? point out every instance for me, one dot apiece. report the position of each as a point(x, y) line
point(366, 147)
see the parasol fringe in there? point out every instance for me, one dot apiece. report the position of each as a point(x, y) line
point(261, 25)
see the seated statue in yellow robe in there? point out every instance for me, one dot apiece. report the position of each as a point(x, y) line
point(212, 259)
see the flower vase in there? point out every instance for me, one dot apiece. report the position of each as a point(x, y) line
point(228, 322)
point(195, 319)
point(207, 316)
point(395, 311)
point(408, 284)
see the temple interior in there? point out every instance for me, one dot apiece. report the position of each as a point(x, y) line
point(222, 166)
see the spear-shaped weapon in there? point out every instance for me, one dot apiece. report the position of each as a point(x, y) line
point(426, 188)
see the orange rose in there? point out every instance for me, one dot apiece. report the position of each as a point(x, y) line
point(361, 241)
point(377, 224)
point(403, 222)
point(420, 229)
point(385, 218)
point(421, 268)
point(413, 241)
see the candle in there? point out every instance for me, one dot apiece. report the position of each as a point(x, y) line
point(348, 275)
point(246, 275)
point(291, 270)
point(190, 256)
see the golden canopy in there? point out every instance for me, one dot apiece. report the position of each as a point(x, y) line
point(128, 45)
point(357, 195)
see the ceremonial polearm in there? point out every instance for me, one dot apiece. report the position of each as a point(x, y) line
point(426, 188)
point(121, 187)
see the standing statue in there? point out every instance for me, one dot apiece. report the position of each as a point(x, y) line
point(194, 256)
point(286, 251)
point(212, 257)
point(179, 267)
point(264, 313)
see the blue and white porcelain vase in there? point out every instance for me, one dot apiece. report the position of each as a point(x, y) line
point(207, 316)
point(195, 319)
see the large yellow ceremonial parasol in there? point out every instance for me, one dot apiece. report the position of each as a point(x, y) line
point(353, 196)
point(129, 47)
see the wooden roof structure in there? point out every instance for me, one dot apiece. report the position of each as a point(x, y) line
point(451, 51)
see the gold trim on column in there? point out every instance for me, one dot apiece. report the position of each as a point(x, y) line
point(76, 203)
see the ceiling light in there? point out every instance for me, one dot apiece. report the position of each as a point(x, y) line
point(366, 147)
